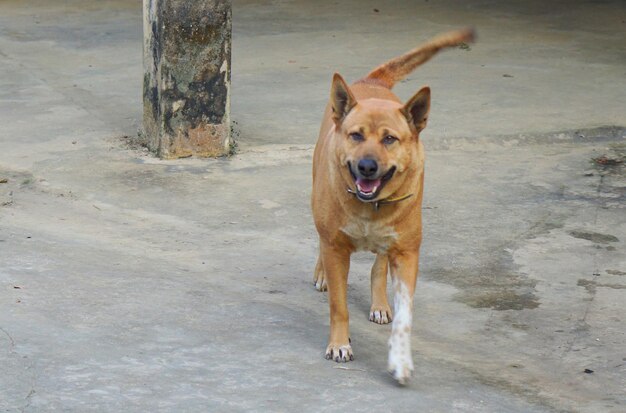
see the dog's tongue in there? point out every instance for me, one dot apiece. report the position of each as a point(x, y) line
point(367, 186)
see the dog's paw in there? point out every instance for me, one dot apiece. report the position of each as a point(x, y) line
point(339, 353)
point(402, 373)
point(400, 367)
point(320, 282)
point(380, 315)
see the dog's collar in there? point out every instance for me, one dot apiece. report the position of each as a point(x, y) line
point(384, 201)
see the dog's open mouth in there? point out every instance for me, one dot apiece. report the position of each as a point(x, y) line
point(369, 189)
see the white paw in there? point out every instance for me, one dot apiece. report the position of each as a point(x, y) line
point(379, 316)
point(400, 361)
point(340, 354)
point(400, 366)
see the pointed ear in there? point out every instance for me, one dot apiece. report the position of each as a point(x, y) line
point(341, 99)
point(417, 108)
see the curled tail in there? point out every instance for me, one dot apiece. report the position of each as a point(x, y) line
point(391, 72)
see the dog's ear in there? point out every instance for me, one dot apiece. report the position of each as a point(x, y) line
point(341, 99)
point(417, 108)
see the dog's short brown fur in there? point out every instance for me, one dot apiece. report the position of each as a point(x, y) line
point(368, 174)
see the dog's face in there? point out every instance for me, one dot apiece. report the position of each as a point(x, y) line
point(378, 139)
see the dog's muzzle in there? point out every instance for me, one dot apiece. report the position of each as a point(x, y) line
point(367, 180)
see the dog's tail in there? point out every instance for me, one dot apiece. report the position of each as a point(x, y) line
point(391, 72)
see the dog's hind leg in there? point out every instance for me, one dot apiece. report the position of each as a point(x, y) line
point(380, 312)
point(319, 278)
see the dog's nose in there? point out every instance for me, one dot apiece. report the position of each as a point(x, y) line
point(367, 167)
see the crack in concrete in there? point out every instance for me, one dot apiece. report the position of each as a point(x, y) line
point(28, 399)
point(580, 329)
point(31, 392)
point(11, 341)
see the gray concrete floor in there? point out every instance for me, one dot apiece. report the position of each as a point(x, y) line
point(133, 284)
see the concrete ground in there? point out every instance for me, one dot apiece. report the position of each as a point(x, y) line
point(133, 284)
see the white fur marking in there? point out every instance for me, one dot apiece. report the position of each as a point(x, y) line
point(370, 236)
point(400, 359)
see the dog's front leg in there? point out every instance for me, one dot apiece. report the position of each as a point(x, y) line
point(336, 266)
point(404, 269)
point(380, 312)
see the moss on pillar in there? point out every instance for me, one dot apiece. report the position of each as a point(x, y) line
point(186, 87)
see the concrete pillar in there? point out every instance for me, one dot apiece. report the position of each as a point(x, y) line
point(186, 86)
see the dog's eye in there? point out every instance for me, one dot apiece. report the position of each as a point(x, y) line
point(357, 137)
point(388, 140)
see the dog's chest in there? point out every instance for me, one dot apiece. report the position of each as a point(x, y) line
point(370, 236)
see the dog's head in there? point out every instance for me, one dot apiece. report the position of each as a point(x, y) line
point(378, 139)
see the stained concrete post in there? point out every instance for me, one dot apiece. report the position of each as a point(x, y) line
point(186, 86)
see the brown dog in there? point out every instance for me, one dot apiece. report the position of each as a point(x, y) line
point(368, 174)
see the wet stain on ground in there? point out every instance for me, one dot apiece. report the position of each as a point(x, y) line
point(502, 300)
point(615, 272)
point(542, 228)
point(613, 162)
point(11, 182)
point(591, 285)
point(596, 237)
point(494, 286)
